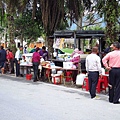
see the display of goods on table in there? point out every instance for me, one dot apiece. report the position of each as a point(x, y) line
point(44, 63)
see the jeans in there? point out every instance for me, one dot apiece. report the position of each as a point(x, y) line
point(17, 68)
point(35, 69)
point(93, 80)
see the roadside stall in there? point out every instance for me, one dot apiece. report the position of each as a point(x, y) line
point(80, 37)
point(57, 75)
point(25, 66)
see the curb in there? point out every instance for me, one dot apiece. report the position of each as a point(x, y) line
point(69, 88)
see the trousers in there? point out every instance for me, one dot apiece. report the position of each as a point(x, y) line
point(114, 80)
point(17, 68)
point(93, 77)
point(35, 69)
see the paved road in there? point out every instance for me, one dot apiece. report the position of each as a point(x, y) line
point(25, 100)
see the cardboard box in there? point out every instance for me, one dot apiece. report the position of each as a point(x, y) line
point(68, 65)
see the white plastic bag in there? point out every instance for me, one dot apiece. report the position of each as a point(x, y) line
point(41, 60)
point(80, 78)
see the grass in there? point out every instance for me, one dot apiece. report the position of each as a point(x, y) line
point(68, 50)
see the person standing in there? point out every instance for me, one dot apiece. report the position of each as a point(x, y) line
point(33, 50)
point(93, 68)
point(112, 62)
point(44, 54)
point(18, 57)
point(25, 50)
point(2, 58)
point(36, 62)
point(10, 58)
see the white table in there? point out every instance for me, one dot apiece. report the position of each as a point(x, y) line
point(25, 68)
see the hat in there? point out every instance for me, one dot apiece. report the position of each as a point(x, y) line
point(76, 55)
point(76, 50)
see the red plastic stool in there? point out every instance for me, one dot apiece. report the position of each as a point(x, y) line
point(68, 76)
point(105, 80)
point(101, 85)
point(57, 79)
point(85, 84)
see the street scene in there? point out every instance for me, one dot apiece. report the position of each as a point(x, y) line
point(59, 59)
point(21, 99)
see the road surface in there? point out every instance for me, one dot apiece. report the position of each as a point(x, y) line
point(24, 100)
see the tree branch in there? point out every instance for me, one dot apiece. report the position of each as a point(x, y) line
point(81, 27)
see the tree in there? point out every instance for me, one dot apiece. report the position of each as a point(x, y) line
point(12, 8)
point(53, 13)
point(110, 10)
point(3, 25)
point(28, 28)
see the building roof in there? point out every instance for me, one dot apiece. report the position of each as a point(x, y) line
point(79, 34)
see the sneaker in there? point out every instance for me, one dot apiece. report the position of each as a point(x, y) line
point(116, 102)
point(96, 98)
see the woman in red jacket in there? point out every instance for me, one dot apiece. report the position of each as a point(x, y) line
point(10, 59)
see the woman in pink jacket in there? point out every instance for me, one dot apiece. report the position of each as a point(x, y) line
point(76, 60)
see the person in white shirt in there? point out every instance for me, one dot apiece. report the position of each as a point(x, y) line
point(93, 68)
point(18, 57)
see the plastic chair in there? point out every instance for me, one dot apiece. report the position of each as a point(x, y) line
point(57, 79)
point(68, 76)
point(101, 85)
point(105, 80)
point(85, 84)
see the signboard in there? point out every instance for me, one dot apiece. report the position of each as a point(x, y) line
point(58, 43)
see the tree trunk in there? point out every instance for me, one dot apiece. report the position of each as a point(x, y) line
point(111, 19)
point(34, 9)
point(11, 42)
point(50, 46)
point(21, 39)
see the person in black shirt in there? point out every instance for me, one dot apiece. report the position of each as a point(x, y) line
point(2, 58)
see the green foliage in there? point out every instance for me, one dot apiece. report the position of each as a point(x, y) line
point(63, 25)
point(1, 29)
point(95, 27)
point(29, 28)
point(110, 10)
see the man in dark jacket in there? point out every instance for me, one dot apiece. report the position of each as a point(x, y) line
point(44, 55)
point(2, 58)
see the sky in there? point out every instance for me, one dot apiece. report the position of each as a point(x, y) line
point(73, 27)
